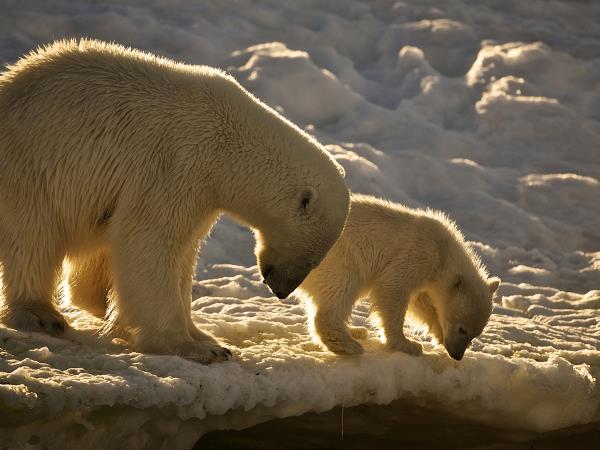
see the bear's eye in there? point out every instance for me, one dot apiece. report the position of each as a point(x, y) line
point(310, 265)
point(307, 197)
point(461, 330)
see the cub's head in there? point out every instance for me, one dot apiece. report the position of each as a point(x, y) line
point(460, 310)
point(299, 235)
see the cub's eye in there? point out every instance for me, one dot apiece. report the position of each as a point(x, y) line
point(461, 330)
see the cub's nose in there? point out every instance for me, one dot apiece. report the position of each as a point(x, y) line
point(457, 355)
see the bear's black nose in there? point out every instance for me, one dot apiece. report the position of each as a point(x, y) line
point(280, 295)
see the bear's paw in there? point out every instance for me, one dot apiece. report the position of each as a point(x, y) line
point(203, 352)
point(38, 318)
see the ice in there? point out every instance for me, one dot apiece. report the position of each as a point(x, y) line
point(535, 367)
point(487, 110)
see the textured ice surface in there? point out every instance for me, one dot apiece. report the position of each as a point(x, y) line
point(488, 110)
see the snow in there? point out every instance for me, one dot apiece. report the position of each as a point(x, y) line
point(488, 111)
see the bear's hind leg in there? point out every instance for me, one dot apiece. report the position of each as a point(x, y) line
point(90, 282)
point(29, 284)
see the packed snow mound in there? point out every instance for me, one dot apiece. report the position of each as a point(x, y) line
point(487, 110)
point(449, 46)
point(273, 71)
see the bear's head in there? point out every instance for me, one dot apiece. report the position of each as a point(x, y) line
point(456, 309)
point(289, 189)
point(299, 236)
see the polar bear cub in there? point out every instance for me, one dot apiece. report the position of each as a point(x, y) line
point(403, 260)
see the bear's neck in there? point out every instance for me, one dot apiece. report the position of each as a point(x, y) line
point(251, 166)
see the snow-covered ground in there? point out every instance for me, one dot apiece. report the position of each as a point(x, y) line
point(489, 110)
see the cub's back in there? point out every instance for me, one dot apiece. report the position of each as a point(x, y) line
point(378, 231)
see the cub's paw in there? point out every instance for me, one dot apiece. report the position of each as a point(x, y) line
point(343, 345)
point(37, 318)
point(359, 332)
point(407, 346)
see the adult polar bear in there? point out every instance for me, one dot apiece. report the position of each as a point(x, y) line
point(121, 162)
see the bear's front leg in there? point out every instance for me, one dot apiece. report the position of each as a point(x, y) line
point(189, 257)
point(391, 302)
point(147, 264)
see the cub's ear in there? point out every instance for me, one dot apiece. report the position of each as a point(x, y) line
point(493, 284)
point(306, 199)
point(458, 282)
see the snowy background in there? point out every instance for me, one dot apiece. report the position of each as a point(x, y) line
point(489, 110)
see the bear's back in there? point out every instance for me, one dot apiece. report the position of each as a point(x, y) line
point(79, 120)
point(73, 74)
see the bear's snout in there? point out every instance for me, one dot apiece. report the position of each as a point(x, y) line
point(280, 282)
point(282, 288)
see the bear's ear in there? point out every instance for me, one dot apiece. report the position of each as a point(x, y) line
point(493, 284)
point(340, 168)
point(306, 200)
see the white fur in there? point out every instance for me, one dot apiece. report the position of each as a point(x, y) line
point(404, 260)
point(121, 162)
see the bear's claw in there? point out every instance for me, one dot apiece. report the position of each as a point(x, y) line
point(204, 352)
point(222, 352)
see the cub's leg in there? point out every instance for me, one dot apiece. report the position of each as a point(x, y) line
point(332, 298)
point(391, 302)
point(90, 281)
point(148, 250)
point(30, 271)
